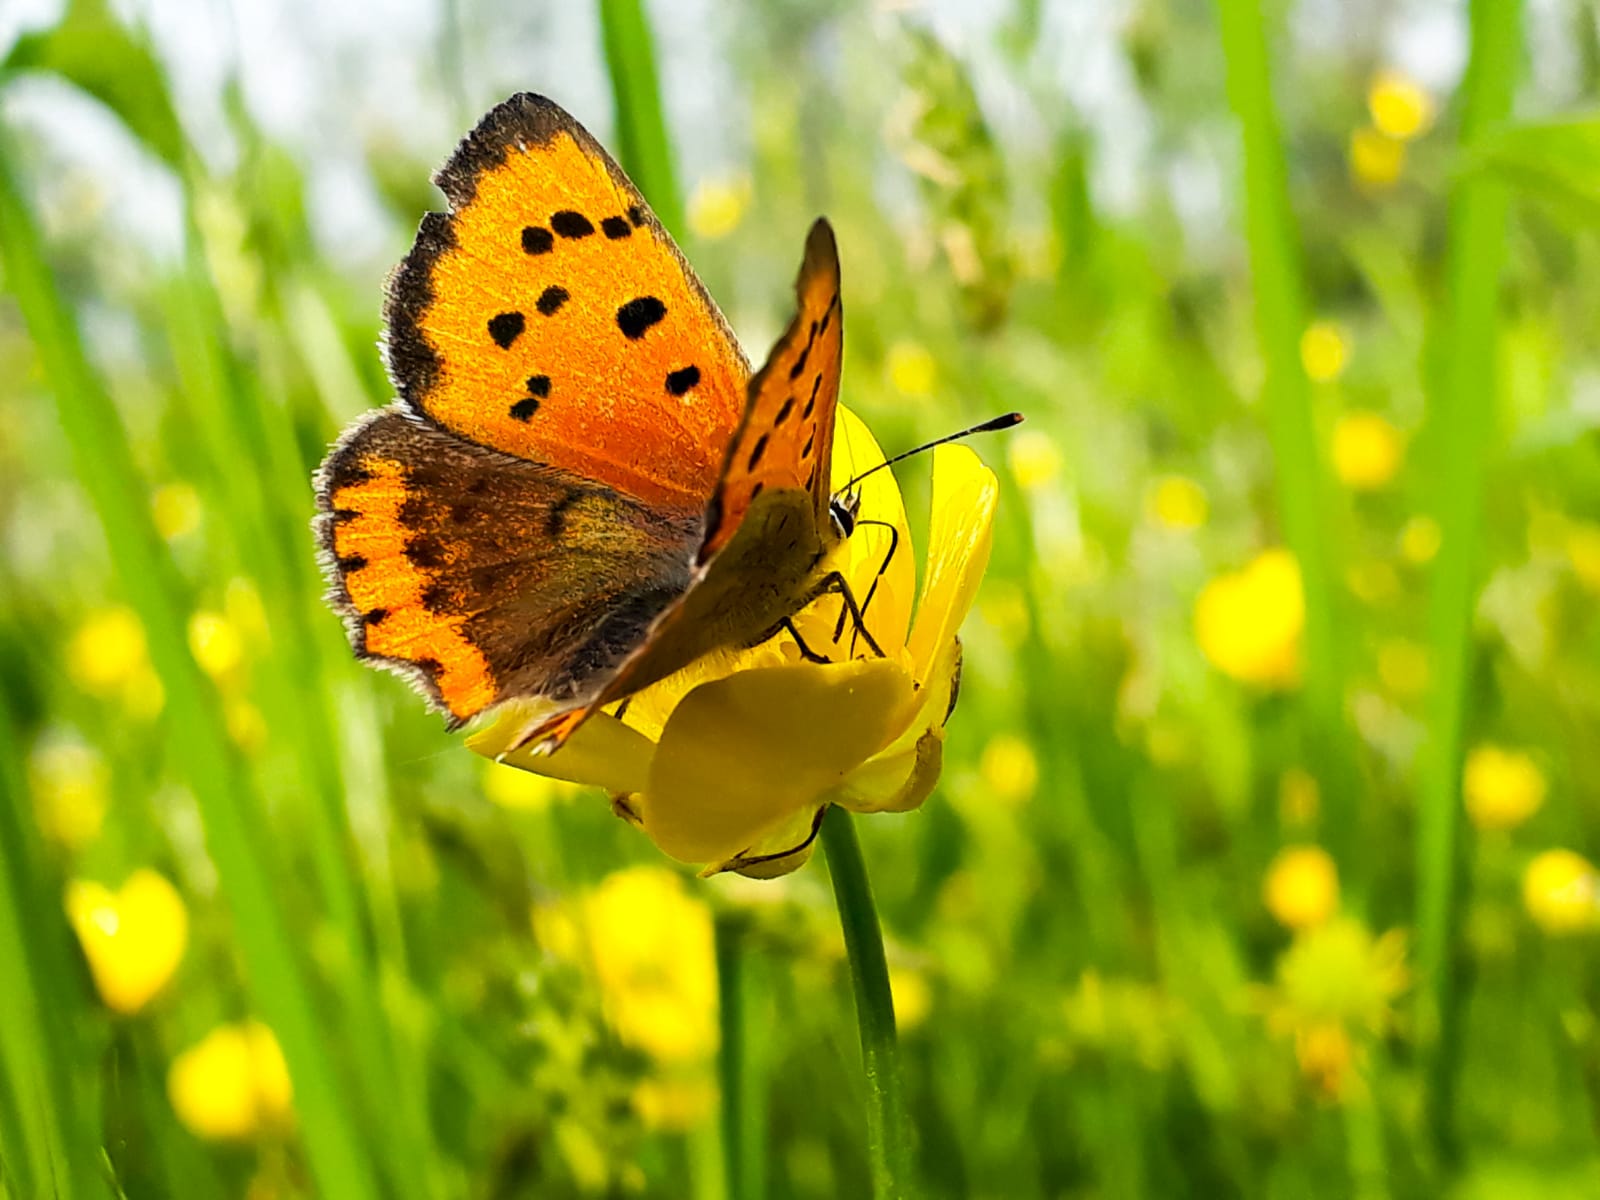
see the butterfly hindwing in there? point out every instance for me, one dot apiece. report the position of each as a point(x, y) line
point(785, 439)
point(481, 576)
point(550, 316)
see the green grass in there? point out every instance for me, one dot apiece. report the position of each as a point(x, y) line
point(1086, 976)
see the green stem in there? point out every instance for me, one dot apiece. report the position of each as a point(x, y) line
point(1461, 420)
point(1280, 312)
point(731, 1048)
point(888, 1131)
point(641, 127)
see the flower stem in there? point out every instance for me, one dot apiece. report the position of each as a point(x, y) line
point(888, 1132)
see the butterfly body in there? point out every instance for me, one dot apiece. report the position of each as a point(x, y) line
point(582, 488)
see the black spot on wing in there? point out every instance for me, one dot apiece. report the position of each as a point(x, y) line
point(506, 328)
point(757, 451)
point(638, 314)
point(539, 385)
point(551, 299)
point(681, 380)
point(783, 413)
point(616, 228)
point(524, 409)
point(375, 617)
point(636, 215)
point(537, 240)
point(571, 224)
point(425, 552)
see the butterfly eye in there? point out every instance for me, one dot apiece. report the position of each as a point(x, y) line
point(843, 509)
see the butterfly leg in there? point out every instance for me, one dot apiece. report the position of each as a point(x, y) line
point(834, 581)
point(806, 652)
point(894, 545)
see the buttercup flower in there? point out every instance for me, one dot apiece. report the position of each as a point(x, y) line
point(1302, 887)
point(732, 761)
point(232, 1084)
point(1502, 788)
point(134, 938)
point(716, 206)
point(1561, 891)
point(1367, 451)
point(1249, 622)
point(1324, 351)
point(1399, 106)
point(1176, 502)
point(71, 787)
point(1376, 159)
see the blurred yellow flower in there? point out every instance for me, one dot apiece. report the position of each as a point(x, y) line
point(674, 1103)
point(1035, 459)
point(1561, 891)
point(1334, 990)
point(1248, 622)
point(733, 761)
point(913, 999)
point(1367, 451)
point(1009, 769)
point(1299, 797)
point(107, 658)
point(1302, 887)
point(1419, 540)
point(176, 508)
point(1373, 582)
point(246, 724)
point(1005, 607)
point(1583, 553)
point(1403, 667)
point(556, 932)
point(1502, 788)
point(215, 644)
point(1176, 502)
point(232, 1084)
point(523, 790)
point(71, 789)
point(1376, 159)
point(716, 206)
point(650, 942)
point(1324, 351)
point(1400, 107)
point(913, 371)
point(133, 939)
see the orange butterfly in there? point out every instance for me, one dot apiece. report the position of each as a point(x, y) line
point(582, 488)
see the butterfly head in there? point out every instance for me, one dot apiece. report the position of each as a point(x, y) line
point(843, 509)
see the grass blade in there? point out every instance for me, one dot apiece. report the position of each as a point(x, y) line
point(1461, 422)
point(641, 128)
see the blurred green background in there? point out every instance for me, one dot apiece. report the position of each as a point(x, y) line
point(1257, 867)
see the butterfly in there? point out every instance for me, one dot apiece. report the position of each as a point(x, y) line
point(582, 487)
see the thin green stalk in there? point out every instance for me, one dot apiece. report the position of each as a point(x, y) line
point(738, 1061)
point(641, 128)
point(1280, 310)
point(1461, 420)
point(235, 835)
point(50, 1149)
point(888, 1130)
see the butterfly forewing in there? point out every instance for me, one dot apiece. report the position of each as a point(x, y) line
point(786, 437)
point(550, 316)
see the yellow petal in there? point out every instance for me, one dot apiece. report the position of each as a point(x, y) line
point(133, 939)
point(603, 752)
point(744, 753)
point(786, 847)
point(959, 538)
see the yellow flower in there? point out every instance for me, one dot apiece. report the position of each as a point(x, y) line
point(1035, 459)
point(107, 658)
point(1324, 351)
point(176, 507)
point(1176, 502)
point(716, 206)
point(1249, 622)
point(1299, 797)
point(913, 998)
point(1561, 891)
point(1400, 108)
point(1334, 991)
point(1009, 769)
point(71, 792)
point(1583, 553)
point(913, 371)
point(1302, 887)
point(1502, 788)
point(650, 942)
point(1376, 159)
point(522, 790)
point(1367, 451)
point(215, 644)
point(674, 1103)
point(733, 760)
point(133, 939)
point(232, 1084)
point(1419, 540)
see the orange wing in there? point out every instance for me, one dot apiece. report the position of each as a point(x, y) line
point(550, 316)
point(786, 437)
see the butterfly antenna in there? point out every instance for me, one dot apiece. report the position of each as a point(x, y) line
point(989, 426)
